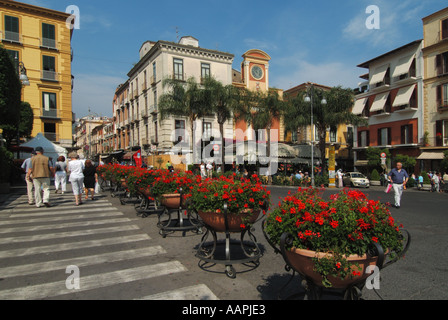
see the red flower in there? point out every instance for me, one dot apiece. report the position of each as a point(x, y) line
point(334, 224)
point(279, 219)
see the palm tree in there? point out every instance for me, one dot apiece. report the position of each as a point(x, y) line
point(222, 100)
point(183, 99)
point(335, 112)
point(260, 110)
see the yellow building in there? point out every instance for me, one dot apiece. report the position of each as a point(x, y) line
point(40, 38)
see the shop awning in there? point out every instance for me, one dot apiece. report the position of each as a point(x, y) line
point(404, 64)
point(362, 163)
point(359, 106)
point(380, 102)
point(403, 96)
point(431, 156)
point(379, 74)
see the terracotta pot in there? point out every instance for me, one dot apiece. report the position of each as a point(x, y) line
point(123, 183)
point(301, 260)
point(216, 220)
point(171, 201)
point(146, 192)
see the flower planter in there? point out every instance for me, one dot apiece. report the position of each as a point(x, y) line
point(171, 201)
point(123, 183)
point(302, 261)
point(145, 191)
point(216, 220)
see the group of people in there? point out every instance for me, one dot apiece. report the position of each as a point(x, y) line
point(39, 169)
point(208, 169)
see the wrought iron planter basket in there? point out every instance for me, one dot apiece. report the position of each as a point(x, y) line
point(230, 251)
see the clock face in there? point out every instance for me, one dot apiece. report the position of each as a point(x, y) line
point(257, 72)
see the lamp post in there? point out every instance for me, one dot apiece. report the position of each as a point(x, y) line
point(309, 99)
point(25, 82)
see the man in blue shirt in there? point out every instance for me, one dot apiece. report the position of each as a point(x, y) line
point(398, 177)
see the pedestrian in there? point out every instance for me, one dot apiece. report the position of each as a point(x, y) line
point(75, 167)
point(202, 167)
point(41, 171)
point(90, 178)
point(209, 169)
point(420, 182)
point(398, 177)
point(436, 181)
point(26, 165)
point(340, 182)
point(60, 176)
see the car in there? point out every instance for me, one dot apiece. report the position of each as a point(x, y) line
point(356, 179)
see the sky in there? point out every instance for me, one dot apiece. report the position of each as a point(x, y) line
point(321, 41)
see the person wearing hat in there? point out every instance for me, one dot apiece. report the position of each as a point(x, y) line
point(41, 171)
point(26, 165)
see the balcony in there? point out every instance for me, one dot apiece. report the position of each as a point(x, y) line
point(153, 80)
point(145, 113)
point(153, 109)
point(52, 136)
point(179, 76)
point(144, 87)
point(13, 37)
point(49, 44)
point(145, 142)
point(47, 75)
point(439, 141)
point(50, 114)
point(442, 106)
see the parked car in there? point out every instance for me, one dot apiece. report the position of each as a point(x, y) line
point(356, 179)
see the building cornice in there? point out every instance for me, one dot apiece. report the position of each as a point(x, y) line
point(14, 5)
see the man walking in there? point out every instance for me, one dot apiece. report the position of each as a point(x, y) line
point(41, 171)
point(26, 166)
point(398, 177)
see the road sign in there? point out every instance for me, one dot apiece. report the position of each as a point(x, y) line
point(153, 148)
point(216, 147)
point(383, 155)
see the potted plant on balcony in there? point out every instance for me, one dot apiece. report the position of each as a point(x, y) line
point(330, 240)
point(245, 200)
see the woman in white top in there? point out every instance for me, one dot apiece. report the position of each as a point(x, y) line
point(75, 168)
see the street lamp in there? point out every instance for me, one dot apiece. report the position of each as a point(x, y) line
point(311, 100)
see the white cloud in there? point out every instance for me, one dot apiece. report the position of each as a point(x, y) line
point(94, 92)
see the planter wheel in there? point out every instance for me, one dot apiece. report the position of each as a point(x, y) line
point(230, 272)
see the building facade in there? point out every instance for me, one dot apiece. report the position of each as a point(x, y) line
point(435, 55)
point(391, 99)
point(137, 120)
point(40, 39)
point(89, 136)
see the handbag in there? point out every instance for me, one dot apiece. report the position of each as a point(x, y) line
point(97, 188)
point(388, 188)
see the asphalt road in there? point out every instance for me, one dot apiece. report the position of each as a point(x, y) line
point(136, 262)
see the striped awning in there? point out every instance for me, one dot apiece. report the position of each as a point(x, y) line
point(431, 156)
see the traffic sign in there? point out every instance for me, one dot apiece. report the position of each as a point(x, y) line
point(383, 155)
point(216, 147)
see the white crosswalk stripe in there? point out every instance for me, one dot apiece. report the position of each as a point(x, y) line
point(37, 245)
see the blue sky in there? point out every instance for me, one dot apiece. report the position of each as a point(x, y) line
point(321, 41)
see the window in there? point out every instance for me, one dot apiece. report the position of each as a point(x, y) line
point(48, 35)
point(444, 29)
point(50, 131)
point(407, 134)
point(49, 68)
point(178, 69)
point(442, 133)
point(205, 70)
point(179, 126)
point(12, 29)
point(154, 71)
point(333, 135)
point(14, 57)
point(442, 63)
point(49, 105)
point(206, 131)
point(384, 136)
point(363, 138)
point(156, 132)
point(442, 95)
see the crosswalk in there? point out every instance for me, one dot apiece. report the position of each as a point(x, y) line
point(115, 259)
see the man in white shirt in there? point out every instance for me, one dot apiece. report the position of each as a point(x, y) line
point(26, 165)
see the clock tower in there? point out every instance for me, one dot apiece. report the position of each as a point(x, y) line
point(255, 70)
